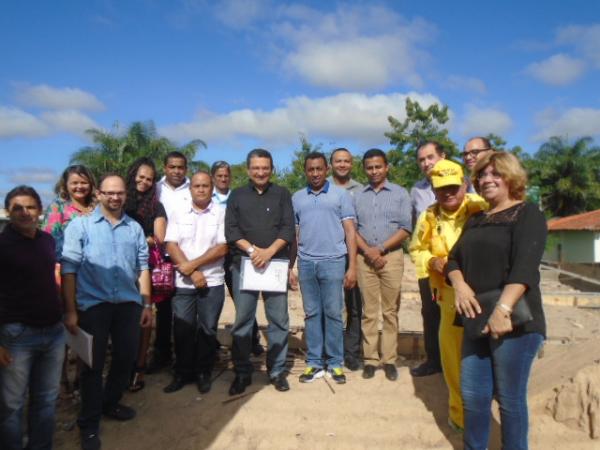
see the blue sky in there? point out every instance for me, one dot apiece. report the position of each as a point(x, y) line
point(240, 74)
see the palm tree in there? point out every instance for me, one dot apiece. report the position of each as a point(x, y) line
point(114, 151)
point(568, 175)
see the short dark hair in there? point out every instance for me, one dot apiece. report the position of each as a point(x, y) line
point(110, 175)
point(258, 153)
point(315, 155)
point(219, 165)
point(439, 149)
point(175, 155)
point(22, 190)
point(339, 149)
point(374, 152)
point(486, 142)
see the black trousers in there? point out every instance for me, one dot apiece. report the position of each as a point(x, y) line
point(353, 333)
point(120, 322)
point(430, 311)
point(164, 329)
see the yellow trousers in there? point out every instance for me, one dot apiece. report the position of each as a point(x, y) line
point(451, 338)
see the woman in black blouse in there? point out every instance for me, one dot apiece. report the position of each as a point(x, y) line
point(143, 206)
point(499, 249)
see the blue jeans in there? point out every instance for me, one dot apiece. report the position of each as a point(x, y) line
point(322, 287)
point(276, 309)
point(196, 314)
point(38, 354)
point(497, 367)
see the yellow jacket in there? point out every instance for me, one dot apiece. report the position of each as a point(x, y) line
point(436, 232)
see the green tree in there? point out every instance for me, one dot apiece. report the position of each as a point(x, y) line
point(419, 126)
point(568, 176)
point(114, 151)
point(499, 144)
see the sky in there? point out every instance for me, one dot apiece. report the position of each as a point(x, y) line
point(260, 73)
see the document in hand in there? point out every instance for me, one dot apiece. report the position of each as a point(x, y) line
point(81, 344)
point(272, 278)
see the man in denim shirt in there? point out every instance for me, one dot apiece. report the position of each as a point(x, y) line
point(104, 260)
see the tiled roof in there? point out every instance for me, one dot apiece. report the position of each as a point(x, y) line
point(589, 221)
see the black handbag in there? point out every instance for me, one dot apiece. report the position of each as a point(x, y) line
point(487, 301)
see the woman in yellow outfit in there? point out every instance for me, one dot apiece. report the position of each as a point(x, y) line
point(436, 231)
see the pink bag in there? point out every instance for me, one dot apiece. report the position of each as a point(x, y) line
point(163, 275)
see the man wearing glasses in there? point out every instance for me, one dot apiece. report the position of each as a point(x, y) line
point(106, 289)
point(474, 150)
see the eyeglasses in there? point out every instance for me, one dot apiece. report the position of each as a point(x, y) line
point(113, 194)
point(474, 152)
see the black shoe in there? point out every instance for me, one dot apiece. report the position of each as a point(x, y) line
point(90, 441)
point(204, 382)
point(257, 349)
point(239, 385)
point(351, 364)
point(176, 384)
point(425, 369)
point(280, 383)
point(391, 373)
point(119, 412)
point(368, 371)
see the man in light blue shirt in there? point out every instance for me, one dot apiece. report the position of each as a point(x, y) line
point(383, 215)
point(326, 234)
point(106, 288)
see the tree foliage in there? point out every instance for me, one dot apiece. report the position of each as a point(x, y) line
point(568, 176)
point(293, 177)
point(420, 125)
point(113, 151)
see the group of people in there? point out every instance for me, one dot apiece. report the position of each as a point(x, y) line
point(471, 235)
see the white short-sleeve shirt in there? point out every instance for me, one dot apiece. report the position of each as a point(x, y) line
point(174, 199)
point(196, 232)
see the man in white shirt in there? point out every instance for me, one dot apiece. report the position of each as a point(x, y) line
point(173, 191)
point(196, 243)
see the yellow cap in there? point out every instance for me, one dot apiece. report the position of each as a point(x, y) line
point(446, 173)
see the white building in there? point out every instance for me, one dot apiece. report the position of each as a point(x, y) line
point(574, 239)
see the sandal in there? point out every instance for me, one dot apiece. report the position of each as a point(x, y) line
point(137, 383)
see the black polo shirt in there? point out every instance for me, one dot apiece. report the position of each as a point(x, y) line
point(259, 218)
point(28, 291)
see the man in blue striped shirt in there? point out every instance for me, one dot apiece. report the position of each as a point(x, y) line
point(383, 213)
point(326, 234)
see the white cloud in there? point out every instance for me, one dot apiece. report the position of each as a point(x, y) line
point(28, 175)
point(574, 122)
point(69, 120)
point(48, 97)
point(15, 122)
point(340, 117)
point(559, 69)
point(240, 13)
point(471, 84)
point(586, 40)
point(482, 121)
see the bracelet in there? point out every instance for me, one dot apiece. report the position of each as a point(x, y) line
point(506, 308)
point(147, 305)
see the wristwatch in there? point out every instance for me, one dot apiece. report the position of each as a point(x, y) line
point(147, 305)
point(250, 250)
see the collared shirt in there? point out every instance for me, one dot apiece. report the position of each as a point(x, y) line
point(319, 217)
point(220, 199)
point(174, 199)
point(421, 197)
point(107, 258)
point(259, 218)
point(352, 187)
point(381, 214)
point(196, 232)
point(28, 291)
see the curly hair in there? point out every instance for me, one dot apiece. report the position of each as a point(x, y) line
point(141, 205)
point(82, 171)
point(508, 167)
